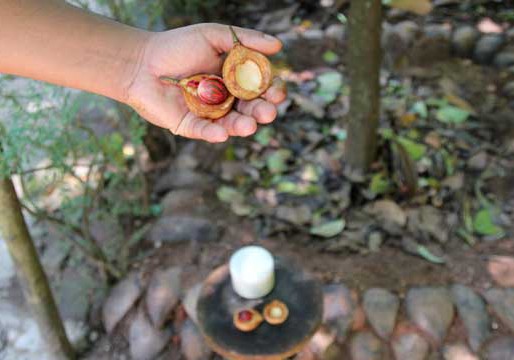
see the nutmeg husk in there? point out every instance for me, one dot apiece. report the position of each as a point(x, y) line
point(247, 326)
point(247, 73)
point(270, 317)
point(193, 101)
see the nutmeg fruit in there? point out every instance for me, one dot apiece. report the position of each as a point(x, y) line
point(247, 320)
point(205, 95)
point(246, 72)
point(276, 312)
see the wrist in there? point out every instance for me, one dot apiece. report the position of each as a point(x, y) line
point(136, 47)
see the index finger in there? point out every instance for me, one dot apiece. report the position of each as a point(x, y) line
point(220, 37)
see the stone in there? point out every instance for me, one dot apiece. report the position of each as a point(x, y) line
point(431, 309)
point(487, 46)
point(473, 313)
point(458, 352)
point(439, 31)
point(381, 308)
point(502, 303)
point(7, 271)
point(501, 348)
point(74, 292)
point(192, 343)
point(504, 59)
point(146, 342)
point(508, 89)
point(183, 178)
point(172, 229)
point(190, 301)
point(163, 294)
point(501, 269)
point(388, 213)
point(121, 298)
point(478, 161)
point(297, 215)
point(338, 309)
point(409, 345)
point(313, 34)
point(336, 32)
point(183, 202)
point(407, 30)
point(321, 346)
point(428, 222)
point(366, 346)
point(464, 39)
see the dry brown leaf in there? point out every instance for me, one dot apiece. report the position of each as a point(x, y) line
point(420, 7)
point(501, 269)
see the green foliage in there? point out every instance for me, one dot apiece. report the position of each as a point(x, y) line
point(49, 142)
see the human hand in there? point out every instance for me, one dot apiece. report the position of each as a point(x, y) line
point(188, 51)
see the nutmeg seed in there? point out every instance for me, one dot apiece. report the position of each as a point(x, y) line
point(212, 91)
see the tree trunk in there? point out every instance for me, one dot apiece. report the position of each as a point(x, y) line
point(30, 274)
point(364, 61)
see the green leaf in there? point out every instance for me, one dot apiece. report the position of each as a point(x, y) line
point(277, 162)
point(380, 183)
point(227, 194)
point(329, 229)
point(484, 225)
point(420, 108)
point(330, 57)
point(427, 255)
point(299, 189)
point(452, 115)
point(264, 136)
point(414, 149)
point(330, 84)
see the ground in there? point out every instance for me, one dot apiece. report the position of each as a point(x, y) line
point(435, 213)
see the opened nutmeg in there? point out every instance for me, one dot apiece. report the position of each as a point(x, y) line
point(247, 320)
point(276, 312)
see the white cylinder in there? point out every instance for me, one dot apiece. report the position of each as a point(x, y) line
point(252, 270)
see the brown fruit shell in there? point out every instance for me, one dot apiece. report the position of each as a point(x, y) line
point(197, 107)
point(247, 326)
point(237, 56)
point(273, 320)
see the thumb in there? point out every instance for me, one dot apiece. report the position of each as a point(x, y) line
point(220, 38)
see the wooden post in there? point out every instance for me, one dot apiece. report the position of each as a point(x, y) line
point(30, 273)
point(365, 54)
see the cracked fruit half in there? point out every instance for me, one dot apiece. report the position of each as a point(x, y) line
point(247, 320)
point(206, 95)
point(276, 312)
point(247, 73)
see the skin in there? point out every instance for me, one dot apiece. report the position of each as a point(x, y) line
point(58, 43)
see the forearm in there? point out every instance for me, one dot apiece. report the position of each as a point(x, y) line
point(52, 41)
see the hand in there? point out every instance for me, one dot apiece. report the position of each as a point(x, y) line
point(192, 50)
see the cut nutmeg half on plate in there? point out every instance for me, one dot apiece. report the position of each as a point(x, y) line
point(247, 320)
point(276, 312)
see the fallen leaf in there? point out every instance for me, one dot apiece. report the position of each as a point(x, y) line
point(427, 255)
point(407, 119)
point(380, 183)
point(484, 225)
point(419, 7)
point(501, 269)
point(414, 149)
point(264, 136)
point(387, 211)
point(420, 108)
point(452, 115)
point(460, 103)
point(329, 229)
point(277, 161)
point(330, 84)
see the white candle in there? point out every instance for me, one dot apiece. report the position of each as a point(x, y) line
point(252, 270)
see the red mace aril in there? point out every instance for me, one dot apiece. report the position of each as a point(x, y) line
point(245, 316)
point(247, 319)
point(212, 91)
